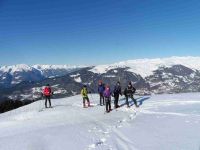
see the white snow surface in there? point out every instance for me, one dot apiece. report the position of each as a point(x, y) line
point(77, 78)
point(145, 67)
point(167, 122)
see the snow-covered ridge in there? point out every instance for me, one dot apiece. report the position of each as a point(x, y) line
point(56, 70)
point(24, 67)
point(44, 67)
point(16, 68)
point(11, 75)
point(145, 67)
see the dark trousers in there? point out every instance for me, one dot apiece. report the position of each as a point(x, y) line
point(47, 98)
point(86, 99)
point(102, 101)
point(134, 100)
point(108, 104)
point(116, 100)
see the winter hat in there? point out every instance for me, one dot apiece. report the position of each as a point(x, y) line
point(107, 86)
point(130, 84)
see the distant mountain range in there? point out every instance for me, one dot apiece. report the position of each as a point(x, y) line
point(149, 76)
point(12, 75)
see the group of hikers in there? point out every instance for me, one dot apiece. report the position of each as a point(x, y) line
point(105, 94)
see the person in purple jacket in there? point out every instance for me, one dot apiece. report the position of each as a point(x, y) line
point(107, 94)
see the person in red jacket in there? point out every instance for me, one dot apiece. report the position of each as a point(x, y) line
point(47, 92)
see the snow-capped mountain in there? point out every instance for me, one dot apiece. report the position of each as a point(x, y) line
point(146, 67)
point(149, 76)
point(55, 70)
point(12, 75)
point(167, 75)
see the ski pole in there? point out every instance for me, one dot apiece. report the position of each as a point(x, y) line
point(91, 95)
point(41, 102)
point(104, 109)
point(90, 98)
point(104, 105)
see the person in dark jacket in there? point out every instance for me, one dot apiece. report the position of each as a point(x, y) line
point(101, 89)
point(117, 91)
point(128, 92)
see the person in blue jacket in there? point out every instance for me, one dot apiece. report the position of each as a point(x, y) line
point(101, 89)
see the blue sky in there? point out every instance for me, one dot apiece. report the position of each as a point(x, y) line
point(97, 31)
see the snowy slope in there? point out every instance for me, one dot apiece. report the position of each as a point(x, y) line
point(167, 122)
point(145, 67)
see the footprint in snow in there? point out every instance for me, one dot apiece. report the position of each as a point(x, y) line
point(100, 131)
point(106, 132)
point(98, 143)
point(118, 126)
point(119, 121)
point(132, 116)
point(95, 128)
point(92, 146)
point(124, 120)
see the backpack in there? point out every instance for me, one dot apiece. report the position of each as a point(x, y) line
point(117, 90)
point(84, 92)
point(101, 88)
point(107, 93)
point(47, 91)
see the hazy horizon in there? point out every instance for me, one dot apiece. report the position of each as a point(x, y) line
point(136, 59)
